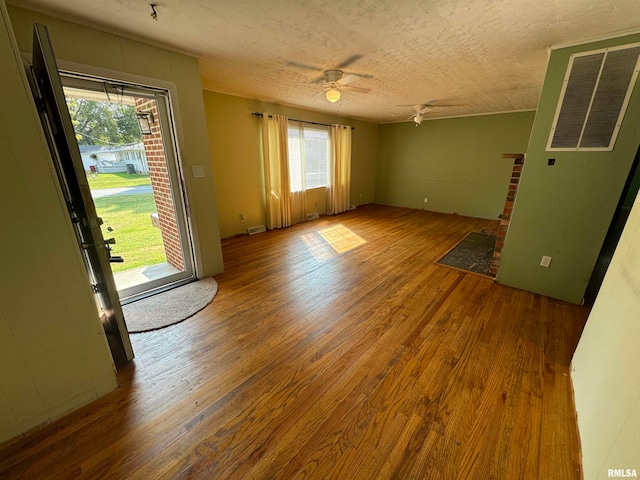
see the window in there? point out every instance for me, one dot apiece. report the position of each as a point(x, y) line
point(308, 149)
point(594, 97)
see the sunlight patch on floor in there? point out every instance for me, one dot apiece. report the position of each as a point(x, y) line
point(331, 242)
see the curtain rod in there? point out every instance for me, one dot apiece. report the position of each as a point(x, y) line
point(258, 114)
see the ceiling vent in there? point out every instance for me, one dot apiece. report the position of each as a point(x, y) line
point(594, 98)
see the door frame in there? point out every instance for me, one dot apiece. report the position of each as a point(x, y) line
point(613, 236)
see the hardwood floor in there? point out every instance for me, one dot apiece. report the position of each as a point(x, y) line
point(370, 364)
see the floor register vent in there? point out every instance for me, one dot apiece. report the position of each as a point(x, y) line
point(256, 230)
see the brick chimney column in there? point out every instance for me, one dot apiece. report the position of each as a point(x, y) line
point(518, 163)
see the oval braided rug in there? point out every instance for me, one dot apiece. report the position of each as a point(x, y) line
point(170, 307)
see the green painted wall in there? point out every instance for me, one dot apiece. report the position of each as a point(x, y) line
point(235, 144)
point(564, 210)
point(456, 163)
point(88, 47)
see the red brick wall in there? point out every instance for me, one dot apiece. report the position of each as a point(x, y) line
point(518, 163)
point(154, 150)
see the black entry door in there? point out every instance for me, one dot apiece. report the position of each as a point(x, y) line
point(75, 187)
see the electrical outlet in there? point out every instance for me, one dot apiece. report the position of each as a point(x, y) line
point(197, 171)
point(545, 262)
point(426, 199)
point(242, 217)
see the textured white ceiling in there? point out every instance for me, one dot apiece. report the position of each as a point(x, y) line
point(483, 56)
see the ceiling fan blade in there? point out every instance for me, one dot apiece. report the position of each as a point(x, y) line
point(436, 103)
point(304, 66)
point(430, 103)
point(349, 61)
point(352, 88)
point(429, 107)
point(359, 74)
point(347, 79)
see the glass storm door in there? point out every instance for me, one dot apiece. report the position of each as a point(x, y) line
point(128, 150)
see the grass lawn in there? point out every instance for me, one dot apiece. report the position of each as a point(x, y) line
point(118, 180)
point(137, 241)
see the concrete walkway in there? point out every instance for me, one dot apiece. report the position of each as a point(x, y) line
point(144, 274)
point(110, 192)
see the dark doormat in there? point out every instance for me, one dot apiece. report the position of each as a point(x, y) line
point(473, 254)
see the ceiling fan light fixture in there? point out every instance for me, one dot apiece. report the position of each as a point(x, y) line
point(418, 118)
point(333, 95)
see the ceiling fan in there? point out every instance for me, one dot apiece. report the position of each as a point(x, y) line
point(336, 80)
point(420, 110)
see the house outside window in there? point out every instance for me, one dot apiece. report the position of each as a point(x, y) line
point(309, 149)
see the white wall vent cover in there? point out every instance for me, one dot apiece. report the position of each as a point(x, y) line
point(594, 98)
point(255, 230)
point(312, 216)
